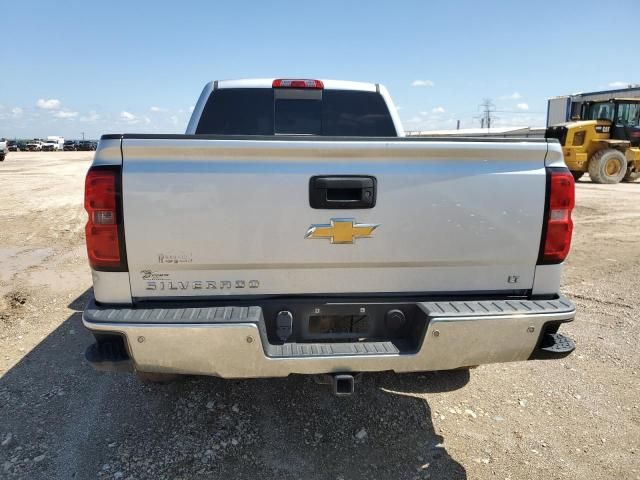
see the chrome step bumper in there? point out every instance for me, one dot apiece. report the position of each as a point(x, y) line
point(231, 342)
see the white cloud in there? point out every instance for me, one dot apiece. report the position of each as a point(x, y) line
point(92, 116)
point(174, 119)
point(522, 106)
point(129, 117)
point(17, 111)
point(50, 104)
point(513, 96)
point(619, 84)
point(434, 112)
point(65, 114)
point(422, 83)
point(192, 107)
point(158, 109)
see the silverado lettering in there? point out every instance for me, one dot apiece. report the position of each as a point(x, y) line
point(201, 284)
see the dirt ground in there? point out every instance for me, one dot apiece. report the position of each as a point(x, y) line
point(573, 418)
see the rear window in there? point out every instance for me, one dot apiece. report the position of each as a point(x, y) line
point(356, 114)
point(266, 111)
point(298, 116)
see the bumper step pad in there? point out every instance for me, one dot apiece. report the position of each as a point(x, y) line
point(557, 344)
point(553, 346)
point(331, 349)
point(485, 308)
point(168, 315)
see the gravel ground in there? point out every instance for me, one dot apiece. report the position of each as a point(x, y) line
point(574, 418)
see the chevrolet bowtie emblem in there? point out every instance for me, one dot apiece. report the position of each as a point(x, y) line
point(341, 230)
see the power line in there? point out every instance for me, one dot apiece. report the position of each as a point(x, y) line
point(487, 117)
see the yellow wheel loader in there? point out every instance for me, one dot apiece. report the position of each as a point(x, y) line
point(604, 141)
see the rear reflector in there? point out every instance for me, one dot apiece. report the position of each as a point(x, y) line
point(559, 227)
point(297, 83)
point(104, 228)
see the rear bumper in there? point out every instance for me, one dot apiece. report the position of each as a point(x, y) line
point(231, 342)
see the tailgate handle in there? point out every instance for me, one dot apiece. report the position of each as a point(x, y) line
point(342, 191)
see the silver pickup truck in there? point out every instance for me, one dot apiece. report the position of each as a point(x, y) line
point(294, 230)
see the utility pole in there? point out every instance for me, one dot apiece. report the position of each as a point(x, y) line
point(458, 125)
point(487, 117)
point(83, 136)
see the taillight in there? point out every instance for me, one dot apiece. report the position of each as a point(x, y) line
point(104, 225)
point(559, 226)
point(297, 83)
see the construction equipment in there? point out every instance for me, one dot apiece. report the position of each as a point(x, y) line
point(603, 141)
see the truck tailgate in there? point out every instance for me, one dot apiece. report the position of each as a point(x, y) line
point(211, 217)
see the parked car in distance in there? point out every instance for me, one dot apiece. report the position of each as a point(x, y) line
point(14, 146)
point(48, 146)
point(34, 146)
point(86, 146)
point(70, 146)
point(4, 149)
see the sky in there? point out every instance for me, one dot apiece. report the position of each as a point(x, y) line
point(70, 67)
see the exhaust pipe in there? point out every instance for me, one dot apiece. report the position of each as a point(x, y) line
point(342, 384)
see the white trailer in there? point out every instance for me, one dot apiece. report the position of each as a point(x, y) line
point(54, 143)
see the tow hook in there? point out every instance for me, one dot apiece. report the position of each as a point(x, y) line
point(342, 384)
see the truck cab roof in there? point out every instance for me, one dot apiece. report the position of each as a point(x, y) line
point(268, 83)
